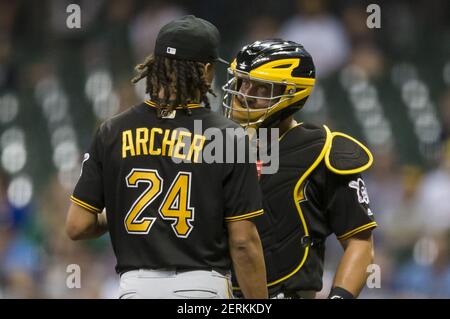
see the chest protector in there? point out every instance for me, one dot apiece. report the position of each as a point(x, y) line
point(285, 235)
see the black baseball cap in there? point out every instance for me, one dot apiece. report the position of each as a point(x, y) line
point(189, 38)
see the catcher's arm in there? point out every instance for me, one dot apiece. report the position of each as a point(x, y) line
point(351, 274)
point(83, 224)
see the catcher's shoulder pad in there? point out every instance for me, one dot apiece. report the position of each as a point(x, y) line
point(346, 155)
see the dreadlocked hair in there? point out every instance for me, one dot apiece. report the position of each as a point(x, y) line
point(183, 82)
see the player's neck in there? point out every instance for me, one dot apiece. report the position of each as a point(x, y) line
point(287, 124)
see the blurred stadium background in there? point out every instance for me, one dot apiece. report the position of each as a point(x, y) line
point(389, 87)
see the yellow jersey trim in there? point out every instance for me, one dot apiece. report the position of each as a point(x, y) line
point(85, 205)
point(190, 106)
point(245, 216)
point(325, 148)
point(349, 171)
point(357, 230)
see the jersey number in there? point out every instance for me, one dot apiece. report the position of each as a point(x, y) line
point(175, 207)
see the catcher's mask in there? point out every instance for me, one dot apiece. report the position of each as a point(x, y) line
point(284, 72)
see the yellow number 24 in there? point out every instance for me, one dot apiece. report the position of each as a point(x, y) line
point(175, 207)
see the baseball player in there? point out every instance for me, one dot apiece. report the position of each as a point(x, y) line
point(176, 223)
point(318, 189)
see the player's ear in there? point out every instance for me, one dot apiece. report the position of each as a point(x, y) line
point(209, 72)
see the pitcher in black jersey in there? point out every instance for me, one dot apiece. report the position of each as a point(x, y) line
point(318, 189)
point(176, 223)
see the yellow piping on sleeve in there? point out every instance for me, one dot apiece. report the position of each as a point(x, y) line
point(85, 205)
point(244, 216)
point(357, 230)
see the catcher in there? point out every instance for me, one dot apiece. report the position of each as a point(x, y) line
point(318, 189)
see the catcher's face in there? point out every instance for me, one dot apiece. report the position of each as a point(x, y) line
point(253, 99)
point(257, 94)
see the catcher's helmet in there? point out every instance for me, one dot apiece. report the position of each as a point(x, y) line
point(280, 64)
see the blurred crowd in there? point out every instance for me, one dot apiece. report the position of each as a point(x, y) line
point(390, 87)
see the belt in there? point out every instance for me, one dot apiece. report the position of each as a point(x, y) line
point(179, 270)
point(220, 271)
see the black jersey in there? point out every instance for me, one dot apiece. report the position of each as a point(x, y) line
point(317, 191)
point(161, 212)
